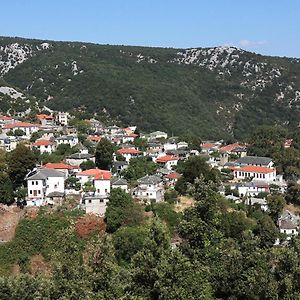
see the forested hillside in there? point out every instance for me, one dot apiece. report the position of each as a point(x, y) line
point(211, 92)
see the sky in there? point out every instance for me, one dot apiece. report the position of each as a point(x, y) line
point(269, 27)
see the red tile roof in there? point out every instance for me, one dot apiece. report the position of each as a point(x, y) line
point(43, 116)
point(230, 147)
point(166, 158)
point(129, 151)
point(103, 175)
point(94, 138)
point(39, 143)
point(98, 174)
point(255, 169)
point(20, 124)
point(5, 118)
point(208, 146)
point(173, 175)
point(132, 135)
point(58, 166)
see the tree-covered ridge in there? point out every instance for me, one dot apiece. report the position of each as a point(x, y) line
point(212, 92)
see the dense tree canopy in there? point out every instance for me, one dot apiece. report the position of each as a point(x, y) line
point(104, 154)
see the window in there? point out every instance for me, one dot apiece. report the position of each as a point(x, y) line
point(30, 192)
point(98, 191)
point(101, 200)
point(36, 182)
point(39, 191)
point(90, 201)
point(32, 182)
point(105, 190)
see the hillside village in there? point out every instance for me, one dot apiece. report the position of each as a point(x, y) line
point(244, 179)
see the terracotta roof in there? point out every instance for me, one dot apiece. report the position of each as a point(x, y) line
point(98, 174)
point(255, 169)
point(39, 143)
point(230, 147)
point(20, 124)
point(208, 145)
point(58, 166)
point(129, 151)
point(43, 116)
point(103, 175)
point(94, 138)
point(173, 175)
point(132, 135)
point(5, 118)
point(166, 158)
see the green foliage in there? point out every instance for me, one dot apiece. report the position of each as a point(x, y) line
point(36, 135)
point(35, 236)
point(72, 182)
point(122, 210)
point(139, 167)
point(293, 193)
point(128, 241)
point(20, 162)
point(195, 167)
point(171, 196)
point(6, 189)
point(104, 154)
point(86, 165)
point(167, 214)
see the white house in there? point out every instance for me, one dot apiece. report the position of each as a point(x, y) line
point(62, 118)
point(94, 204)
point(119, 183)
point(28, 128)
point(158, 135)
point(287, 227)
point(252, 188)
point(65, 168)
point(258, 161)
point(150, 188)
point(8, 143)
point(129, 153)
point(44, 146)
point(255, 173)
point(42, 183)
point(102, 182)
point(167, 161)
point(71, 140)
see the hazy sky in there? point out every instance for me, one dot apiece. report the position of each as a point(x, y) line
point(263, 26)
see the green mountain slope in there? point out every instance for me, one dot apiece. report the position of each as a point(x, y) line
point(211, 92)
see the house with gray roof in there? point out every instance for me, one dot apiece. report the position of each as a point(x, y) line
point(43, 184)
point(119, 183)
point(255, 161)
point(149, 189)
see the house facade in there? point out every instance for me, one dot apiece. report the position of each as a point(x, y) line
point(43, 182)
point(150, 188)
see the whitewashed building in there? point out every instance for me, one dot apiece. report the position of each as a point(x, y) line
point(43, 182)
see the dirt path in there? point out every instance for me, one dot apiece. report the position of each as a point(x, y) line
point(184, 203)
point(9, 219)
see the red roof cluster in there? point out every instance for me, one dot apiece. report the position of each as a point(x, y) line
point(129, 151)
